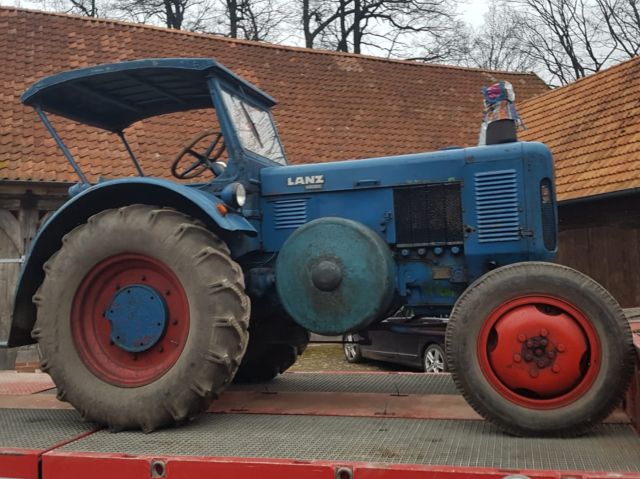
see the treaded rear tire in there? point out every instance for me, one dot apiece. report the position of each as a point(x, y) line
point(218, 317)
point(521, 279)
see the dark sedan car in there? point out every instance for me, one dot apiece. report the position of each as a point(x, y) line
point(403, 339)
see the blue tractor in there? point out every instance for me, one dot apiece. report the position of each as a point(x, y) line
point(147, 297)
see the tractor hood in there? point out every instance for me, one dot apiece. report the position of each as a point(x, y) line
point(371, 173)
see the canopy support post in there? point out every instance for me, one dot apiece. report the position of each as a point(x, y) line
point(131, 155)
point(61, 145)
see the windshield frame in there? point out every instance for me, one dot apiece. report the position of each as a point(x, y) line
point(223, 88)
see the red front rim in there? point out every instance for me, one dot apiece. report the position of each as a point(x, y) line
point(92, 330)
point(539, 352)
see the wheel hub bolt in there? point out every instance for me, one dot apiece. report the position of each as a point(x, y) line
point(534, 350)
point(534, 373)
point(522, 337)
point(555, 368)
point(561, 348)
point(544, 332)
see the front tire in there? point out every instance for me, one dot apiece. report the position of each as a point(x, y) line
point(158, 359)
point(540, 349)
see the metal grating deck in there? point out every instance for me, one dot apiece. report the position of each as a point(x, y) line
point(39, 428)
point(426, 442)
point(418, 383)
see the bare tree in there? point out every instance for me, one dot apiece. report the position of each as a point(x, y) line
point(622, 23)
point(498, 44)
point(386, 25)
point(565, 37)
point(319, 15)
point(87, 8)
point(258, 20)
point(170, 12)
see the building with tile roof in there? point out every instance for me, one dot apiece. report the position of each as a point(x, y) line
point(593, 129)
point(332, 106)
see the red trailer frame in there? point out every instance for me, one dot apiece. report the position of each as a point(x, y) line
point(29, 413)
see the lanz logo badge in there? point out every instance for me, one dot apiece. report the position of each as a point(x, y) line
point(309, 182)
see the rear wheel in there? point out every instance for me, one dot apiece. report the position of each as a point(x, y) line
point(540, 349)
point(142, 318)
point(274, 346)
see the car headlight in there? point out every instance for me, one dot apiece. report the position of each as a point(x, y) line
point(234, 194)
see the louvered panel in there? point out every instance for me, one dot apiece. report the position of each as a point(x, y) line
point(497, 206)
point(290, 213)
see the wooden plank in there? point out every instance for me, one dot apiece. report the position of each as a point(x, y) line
point(11, 246)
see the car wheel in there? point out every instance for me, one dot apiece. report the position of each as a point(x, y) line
point(434, 359)
point(352, 351)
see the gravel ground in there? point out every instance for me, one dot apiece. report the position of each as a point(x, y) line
point(329, 357)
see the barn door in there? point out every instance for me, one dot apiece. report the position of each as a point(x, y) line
point(11, 251)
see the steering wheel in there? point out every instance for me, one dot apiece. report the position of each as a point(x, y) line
point(203, 161)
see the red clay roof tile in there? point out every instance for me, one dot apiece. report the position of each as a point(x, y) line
point(592, 129)
point(333, 106)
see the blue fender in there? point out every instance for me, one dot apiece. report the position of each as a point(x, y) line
point(111, 194)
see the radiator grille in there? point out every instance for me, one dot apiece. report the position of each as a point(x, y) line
point(290, 213)
point(428, 214)
point(497, 206)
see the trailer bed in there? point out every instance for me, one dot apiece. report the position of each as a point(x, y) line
point(311, 425)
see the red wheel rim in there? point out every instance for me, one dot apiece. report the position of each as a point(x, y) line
point(92, 330)
point(539, 352)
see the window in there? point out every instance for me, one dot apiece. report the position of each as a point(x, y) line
point(255, 128)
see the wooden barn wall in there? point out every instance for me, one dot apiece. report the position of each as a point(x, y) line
point(23, 209)
point(602, 239)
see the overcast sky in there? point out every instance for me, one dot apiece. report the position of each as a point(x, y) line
point(472, 10)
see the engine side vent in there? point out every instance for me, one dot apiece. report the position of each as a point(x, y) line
point(290, 213)
point(497, 206)
point(428, 214)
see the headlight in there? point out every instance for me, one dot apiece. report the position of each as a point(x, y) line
point(234, 194)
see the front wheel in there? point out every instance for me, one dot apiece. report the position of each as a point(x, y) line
point(142, 318)
point(540, 349)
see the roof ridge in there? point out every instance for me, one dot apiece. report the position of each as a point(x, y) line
point(265, 44)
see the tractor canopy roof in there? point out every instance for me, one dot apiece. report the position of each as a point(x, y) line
point(114, 96)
